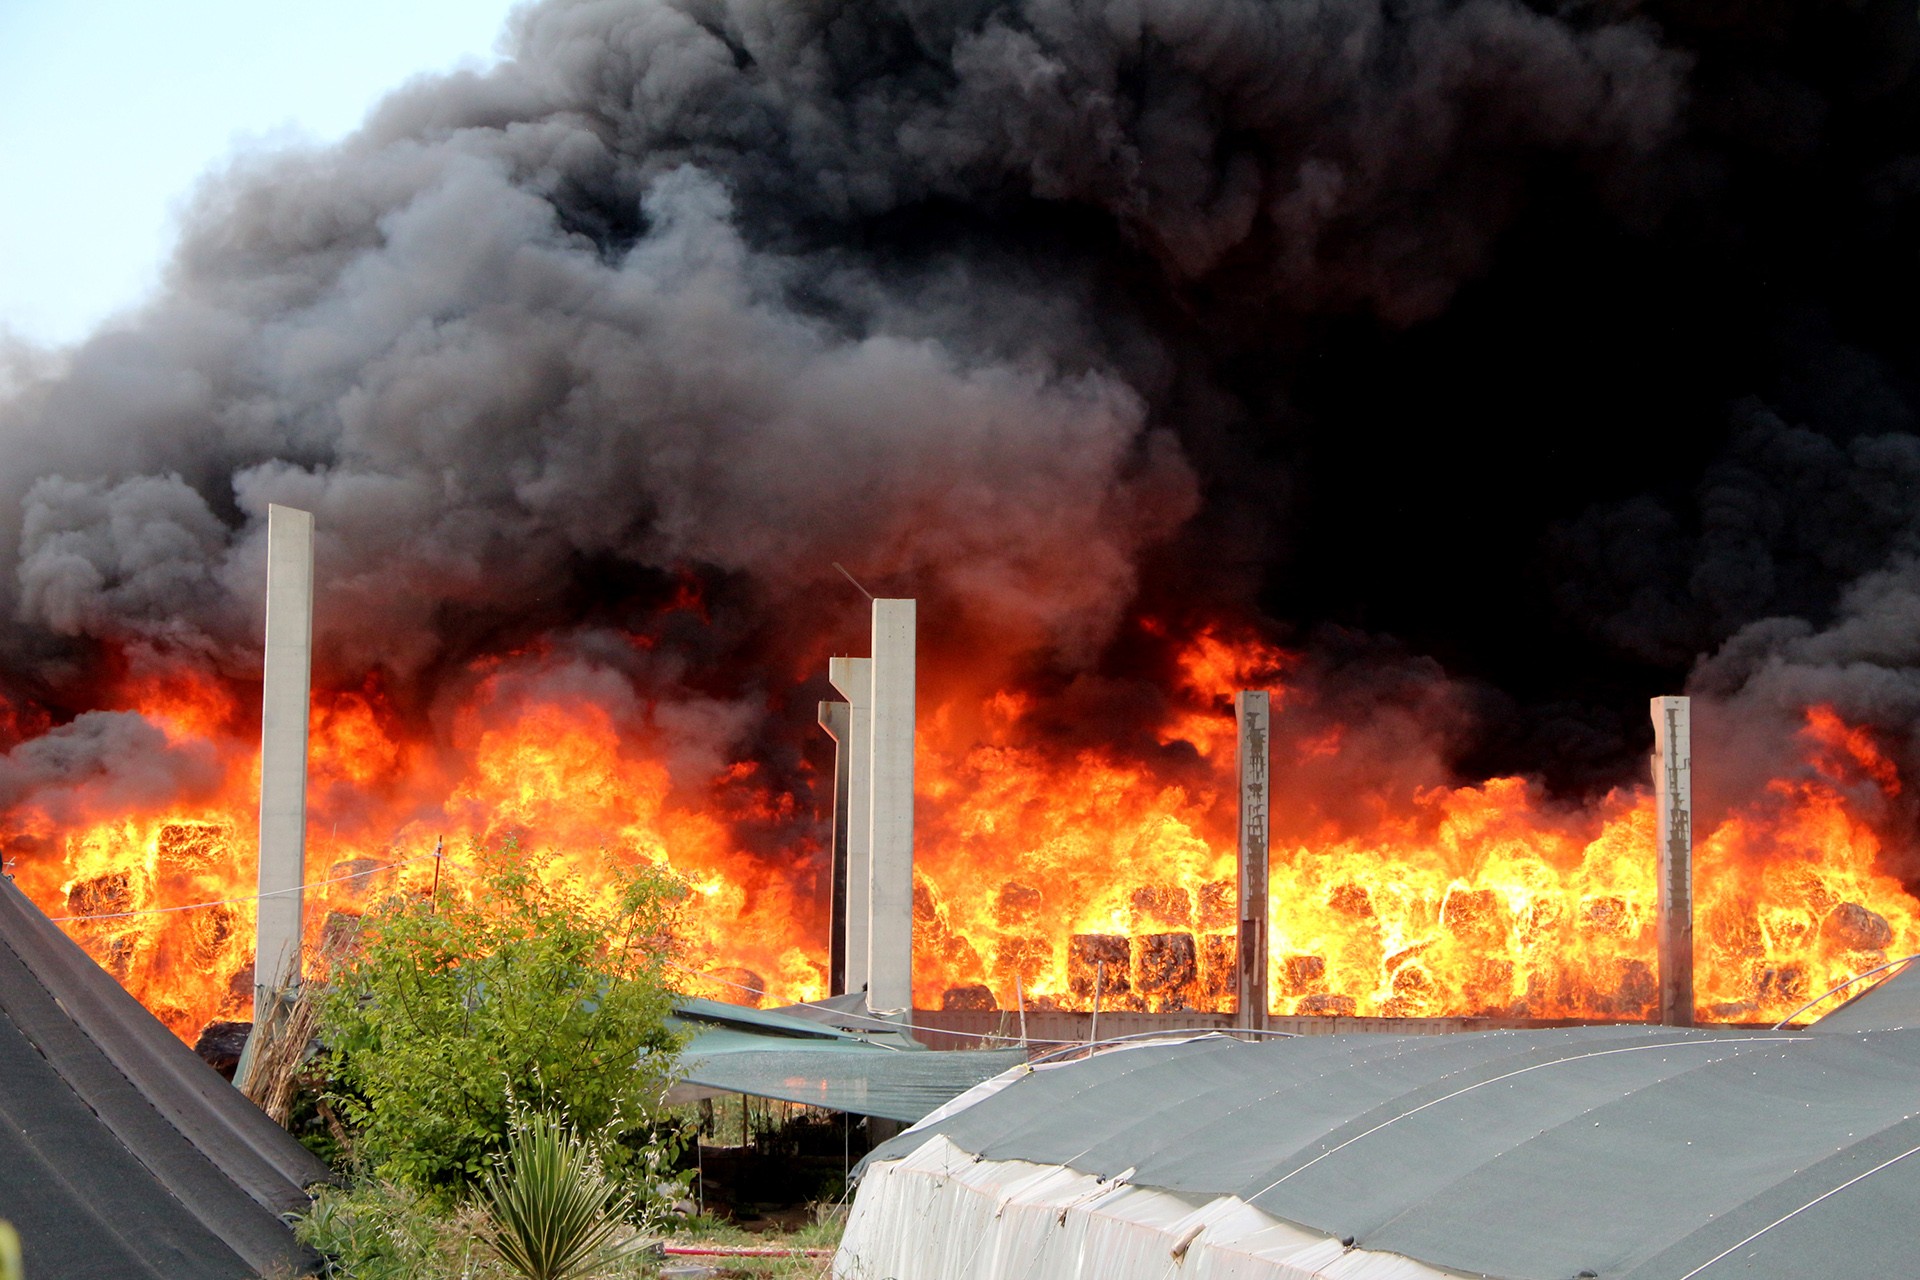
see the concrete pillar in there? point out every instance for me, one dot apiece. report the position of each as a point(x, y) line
point(853, 677)
point(833, 718)
point(1252, 710)
point(890, 873)
point(285, 696)
point(1673, 838)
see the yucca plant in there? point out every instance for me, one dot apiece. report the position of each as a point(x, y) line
point(552, 1212)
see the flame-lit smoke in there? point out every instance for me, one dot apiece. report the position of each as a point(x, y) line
point(1462, 373)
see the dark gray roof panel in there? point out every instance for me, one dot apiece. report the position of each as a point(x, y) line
point(83, 1208)
point(1895, 1002)
point(236, 1135)
point(1535, 1155)
point(124, 1154)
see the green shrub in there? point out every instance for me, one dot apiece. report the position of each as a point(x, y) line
point(515, 991)
point(552, 1212)
point(377, 1231)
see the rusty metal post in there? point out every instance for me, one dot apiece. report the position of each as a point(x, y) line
point(1253, 711)
point(1673, 838)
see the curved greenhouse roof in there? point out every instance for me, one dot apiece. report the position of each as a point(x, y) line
point(1631, 1151)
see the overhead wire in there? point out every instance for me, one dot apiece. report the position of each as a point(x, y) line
point(252, 897)
point(880, 1021)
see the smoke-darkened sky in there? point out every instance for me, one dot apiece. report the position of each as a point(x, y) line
point(1559, 354)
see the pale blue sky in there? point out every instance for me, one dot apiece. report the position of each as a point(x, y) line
point(109, 110)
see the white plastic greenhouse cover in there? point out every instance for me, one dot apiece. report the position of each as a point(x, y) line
point(940, 1214)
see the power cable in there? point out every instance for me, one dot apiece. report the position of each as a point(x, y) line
point(256, 897)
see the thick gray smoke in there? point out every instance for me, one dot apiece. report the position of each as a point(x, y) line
point(755, 287)
point(105, 762)
point(1004, 303)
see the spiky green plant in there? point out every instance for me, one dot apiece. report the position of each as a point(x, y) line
point(11, 1267)
point(552, 1211)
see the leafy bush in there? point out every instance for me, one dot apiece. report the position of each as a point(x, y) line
point(552, 1212)
point(518, 990)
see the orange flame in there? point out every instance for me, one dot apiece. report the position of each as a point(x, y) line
point(1037, 867)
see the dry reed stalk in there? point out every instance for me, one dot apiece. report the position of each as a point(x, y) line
point(276, 1062)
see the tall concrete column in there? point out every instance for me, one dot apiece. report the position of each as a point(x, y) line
point(853, 677)
point(285, 696)
point(833, 718)
point(890, 873)
point(1253, 712)
point(1673, 838)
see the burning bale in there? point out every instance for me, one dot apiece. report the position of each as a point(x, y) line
point(1219, 906)
point(975, 997)
point(193, 846)
point(1785, 984)
point(1350, 900)
point(1017, 904)
point(102, 895)
point(1219, 956)
point(212, 934)
point(1476, 917)
point(1416, 994)
point(1101, 957)
point(738, 985)
point(1302, 975)
point(1608, 914)
point(1635, 990)
point(1018, 961)
point(1854, 928)
point(1161, 905)
point(1165, 967)
point(1488, 987)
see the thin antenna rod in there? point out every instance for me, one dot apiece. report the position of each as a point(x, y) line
point(855, 581)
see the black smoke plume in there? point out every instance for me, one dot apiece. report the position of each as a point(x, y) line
point(1549, 351)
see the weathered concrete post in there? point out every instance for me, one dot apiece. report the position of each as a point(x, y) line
point(833, 718)
point(853, 677)
point(890, 875)
point(1251, 708)
point(1673, 837)
point(285, 695)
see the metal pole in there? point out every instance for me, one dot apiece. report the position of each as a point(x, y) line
point(1252, 709)
point(1673, 838)
point(1099, 981)
point(1020, 998)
